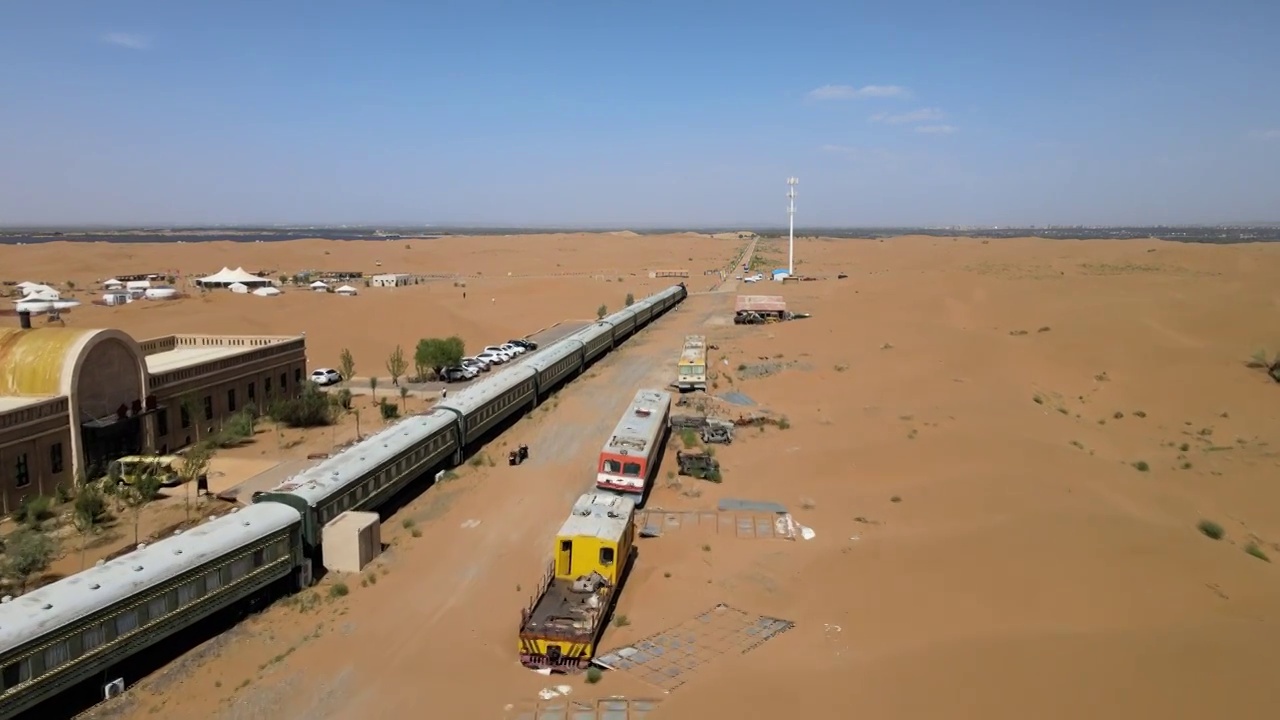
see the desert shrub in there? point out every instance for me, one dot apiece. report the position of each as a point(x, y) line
point(389, 410)
point(339, 590)
point(1254, 550)
point(631, 300)
point(237, 429)
point(602, 311)
point(32, 511)
point(311, 408)
point(342, 399)
point(594, 674)
point(1211, 529)
point(1141, 466)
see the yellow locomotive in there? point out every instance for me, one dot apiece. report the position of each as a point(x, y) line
point(593, 552)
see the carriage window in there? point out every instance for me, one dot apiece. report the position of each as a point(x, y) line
point(156, 608)
point(212, 581)
point(188, 592)
point(606, 556)
point(56, 654)
point(92, 637)
point(612, 466)
point(632, 469)
point(259, 557)
point(126, 622)
point(9, 676)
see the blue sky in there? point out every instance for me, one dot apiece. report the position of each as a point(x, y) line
point(560, 112)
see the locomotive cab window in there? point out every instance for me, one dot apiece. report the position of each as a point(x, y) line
point(632, 469)
point(612, 466)
point(606, 556)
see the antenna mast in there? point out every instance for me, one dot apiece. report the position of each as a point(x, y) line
point(791, 230)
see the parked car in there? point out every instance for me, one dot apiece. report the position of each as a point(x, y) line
point(476, 363)
point(526, 344)
point(513, 349)
point(459, 373)
point(325, 376)
point(498, 350)
point(493, 358)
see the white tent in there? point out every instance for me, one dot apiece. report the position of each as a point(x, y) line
point(138, 284)
point(346, 290)
point(320, 286)
point(110, 283)
point(238, 288)
point(43, 295)
point(43, 291)
point(160, 293)
point(40, 306)
point(226, 278)
point(268, 291)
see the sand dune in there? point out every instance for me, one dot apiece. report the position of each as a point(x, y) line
point(1004, 449)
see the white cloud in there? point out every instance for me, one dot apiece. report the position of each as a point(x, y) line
point(915, 116)
point(1266, 134)
point(936, 129)
point(849, 92)
point(127, 40)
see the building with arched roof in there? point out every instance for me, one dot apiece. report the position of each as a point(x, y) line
point(73, 399)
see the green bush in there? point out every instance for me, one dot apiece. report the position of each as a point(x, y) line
point(32, 511)
point(389, 410)
point(309, 409)
point(1211, 529)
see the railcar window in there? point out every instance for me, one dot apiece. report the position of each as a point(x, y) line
point(241, 567)
point(56, 654)
point(92, 637)
point(632, 469)
point(612, 466)
point(606, 556)
point(212, 582)
point(156, 608)
point(188, 593)
point(126, 622)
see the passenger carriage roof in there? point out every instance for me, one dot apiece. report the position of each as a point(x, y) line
point(318, 482)
point(599, 515)
point(63, 602)
point(640, 424)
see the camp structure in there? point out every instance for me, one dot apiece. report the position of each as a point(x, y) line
point(759, 309)
point(268, 291)
point(347, 290)
point(320, 286)
point(225, 278)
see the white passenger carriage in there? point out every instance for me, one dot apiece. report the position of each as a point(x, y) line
point(631, 453)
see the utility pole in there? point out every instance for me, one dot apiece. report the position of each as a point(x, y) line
point(791, 230)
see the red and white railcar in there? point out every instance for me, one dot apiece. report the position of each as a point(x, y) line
point(632, 452)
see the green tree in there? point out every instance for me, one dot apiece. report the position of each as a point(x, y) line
point(192, 407)
point(373, 386)
point(602, 311)
point(631, 300)
point(396, 365)
point(144, 488)
point(404, 395)
point(88, 511)
point(28, 552)
point(437, 354)
point(195, 463)
point(237, 429)
point(346, 365)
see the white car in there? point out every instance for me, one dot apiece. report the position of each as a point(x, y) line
point(493, 358)
point(512, 349)
point(325, 376)
point(753, 278)
point(499, 350)
point(476, 363)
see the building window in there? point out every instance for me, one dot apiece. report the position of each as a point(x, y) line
point(231, 400)
point(284, 382)
point(297, 376)
point(266, 386)
point(162, 422)
point(20, 473)
point(184, 416)
point(252, 394)
point(208, 407)
point(55, 457)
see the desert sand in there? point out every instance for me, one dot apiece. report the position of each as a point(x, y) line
point(1003, 448)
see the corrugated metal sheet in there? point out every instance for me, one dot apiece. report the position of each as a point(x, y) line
point(31, 361)
point(760, 303)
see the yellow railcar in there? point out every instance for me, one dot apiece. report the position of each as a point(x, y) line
point(691, 370)
point(593, 553)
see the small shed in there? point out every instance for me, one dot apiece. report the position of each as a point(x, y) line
point(351, 541)
point(391, 280)
point(779, 274)
point(118, 297)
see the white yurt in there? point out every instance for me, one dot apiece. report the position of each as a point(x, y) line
point(267, 291)
point(40, 292)
point(112, 284)
point(320, 286)
point(138, 284)
point(240, 288)
point(160, 293)
point(347, 290)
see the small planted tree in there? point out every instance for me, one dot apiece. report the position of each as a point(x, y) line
point(189, 407)
point(28, 552)
point(88, 512)
point(346, 365)
point(144, 488)
point(373, 387)
point(602, 311)
point(195, 464)
point(631, 300)
point(311, 408)
point(389, 410)
point(404, 396)
point(396, 365)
